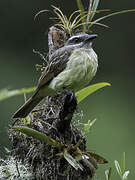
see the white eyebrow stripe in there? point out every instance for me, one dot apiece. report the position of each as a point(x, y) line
point(77, 36)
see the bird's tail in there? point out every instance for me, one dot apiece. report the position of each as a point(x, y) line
point(25, 109)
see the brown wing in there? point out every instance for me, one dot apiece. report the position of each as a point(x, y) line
point(57, 65)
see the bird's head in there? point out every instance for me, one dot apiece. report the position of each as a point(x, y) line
point(77, 41)
point(80, 40)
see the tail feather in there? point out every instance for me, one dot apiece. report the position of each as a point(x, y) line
point(25, 109)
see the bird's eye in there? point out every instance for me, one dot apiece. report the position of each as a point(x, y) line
point(73, 41)
point(76, 40)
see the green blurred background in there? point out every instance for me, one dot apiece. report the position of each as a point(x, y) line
point(113, 107)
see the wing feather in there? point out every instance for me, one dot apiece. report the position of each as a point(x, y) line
point(57, 64)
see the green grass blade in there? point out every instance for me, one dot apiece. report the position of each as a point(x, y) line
point(61, 26)
point(123, 163)
point(83, 93)
point(108, 174)
point(73, 14)
point(89, 23)
point(89, 10)
point(125, 175)
point(80, 5)
point(94, 7)
point(38, 135)
point(76, 23)
point(60, 15)
point(40, 12)
point(81, 8)
point(77, 19)
point(113, 14)
point(60, 18)
point(118, 168)
point(82, 18)
point(99, 24)
point(88, 125)
point(59, 12)
point(5, 93)
point(73, 162)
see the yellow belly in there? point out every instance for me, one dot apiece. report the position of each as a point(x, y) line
point(80, 70)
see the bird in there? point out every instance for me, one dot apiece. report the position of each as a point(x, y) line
point(71, 67)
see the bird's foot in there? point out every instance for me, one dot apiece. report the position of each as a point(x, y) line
point(69, 98)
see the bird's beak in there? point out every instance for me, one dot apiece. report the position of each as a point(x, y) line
point(91, 37)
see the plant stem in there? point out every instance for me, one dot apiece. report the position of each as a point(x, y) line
point(89, 10)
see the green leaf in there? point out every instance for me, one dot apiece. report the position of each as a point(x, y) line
point(38, 135)
point(40, 12)
point(99, 159)
point(113, 14)
point(121, 170)
point(108, 174)
point(94, 7)
point(123, 163)
point(125, 175)
point(88, 125)
point(118, 168)
point(89, 161)
point(81, 8)
point(83, 93)
point(73, 162)
point(80, 5)
point(5, 93)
